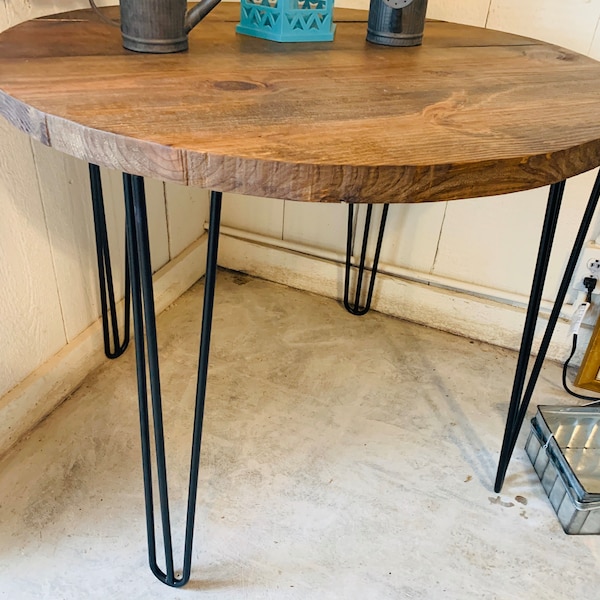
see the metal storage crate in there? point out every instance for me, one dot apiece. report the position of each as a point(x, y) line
point(564, 448)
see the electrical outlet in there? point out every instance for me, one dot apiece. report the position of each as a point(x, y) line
point(588, 266)
point(593, 266)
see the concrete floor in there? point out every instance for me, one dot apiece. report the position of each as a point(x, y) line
point(343, 457)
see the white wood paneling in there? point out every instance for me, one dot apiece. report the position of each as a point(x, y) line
point(319, 225)
point(65, 191)
point(361, 4)
point(469, 12)
point(411, 236)
point(494, 241)
point(412, 232)
point(22, 10)
point(44, 389)
point(595, 45)
point(570, 24)
point(249, 213)
point(4, 22)
point(187, 210)
point(474, 244)
point(31, 323)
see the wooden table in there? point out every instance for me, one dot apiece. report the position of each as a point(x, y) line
point(470, 113)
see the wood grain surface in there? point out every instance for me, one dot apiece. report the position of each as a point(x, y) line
point(471, 112)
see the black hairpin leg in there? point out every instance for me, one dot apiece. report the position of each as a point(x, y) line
point(356, 308)
point(107, 291)
point(147, 361)
point(520, 401)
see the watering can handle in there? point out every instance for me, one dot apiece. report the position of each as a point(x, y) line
point(192, 18)
point(102, 16)
point(199, 11)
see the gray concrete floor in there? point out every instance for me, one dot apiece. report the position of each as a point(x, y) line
point(343, 457)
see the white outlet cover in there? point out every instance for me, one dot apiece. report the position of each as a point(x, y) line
point(589, 254)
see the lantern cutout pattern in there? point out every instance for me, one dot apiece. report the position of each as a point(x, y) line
point(288, 20)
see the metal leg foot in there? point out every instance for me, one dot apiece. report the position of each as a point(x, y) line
point(520, 401)
point(355, 307)
point(147, 362)
point(110, 324)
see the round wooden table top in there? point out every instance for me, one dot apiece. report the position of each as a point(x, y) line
point(471, 112)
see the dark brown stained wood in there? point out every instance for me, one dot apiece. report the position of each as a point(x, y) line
point(471, 112)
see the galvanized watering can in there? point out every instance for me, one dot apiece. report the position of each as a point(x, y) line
point(396, 22)
point(160, 26)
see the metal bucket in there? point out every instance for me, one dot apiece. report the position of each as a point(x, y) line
point(160, 26)
point(396, 22)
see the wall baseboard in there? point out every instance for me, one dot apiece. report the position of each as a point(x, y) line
point(487, 315)
point(28, 403)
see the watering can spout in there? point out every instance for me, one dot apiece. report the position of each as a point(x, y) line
point(198, 12)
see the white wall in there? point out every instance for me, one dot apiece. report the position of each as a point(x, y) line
point(463, 266)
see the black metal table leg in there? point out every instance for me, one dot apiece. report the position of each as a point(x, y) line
point(520, 401)
point(107, 291)
point(355, 308)
point(147, 361)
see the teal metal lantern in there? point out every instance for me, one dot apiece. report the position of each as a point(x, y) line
point(288, 20)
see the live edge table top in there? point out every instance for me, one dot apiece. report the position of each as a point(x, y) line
point(471, 112)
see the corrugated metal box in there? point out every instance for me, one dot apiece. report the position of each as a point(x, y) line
point(564, 448)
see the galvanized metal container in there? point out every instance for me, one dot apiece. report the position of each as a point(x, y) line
point(564, 448)
point(160, 26)
point(396, 22)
